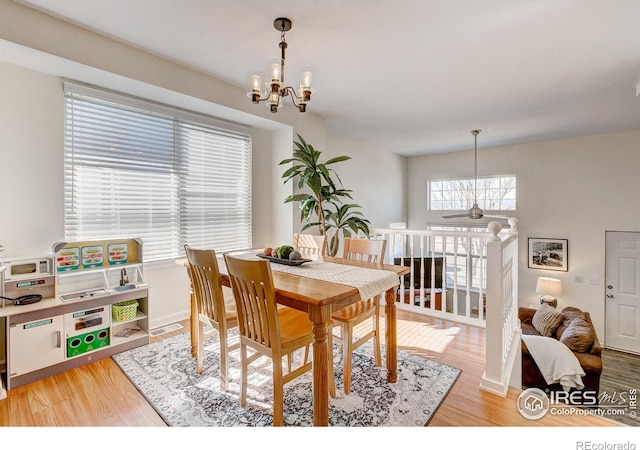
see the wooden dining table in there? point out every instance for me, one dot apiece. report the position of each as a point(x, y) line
point(319, 299)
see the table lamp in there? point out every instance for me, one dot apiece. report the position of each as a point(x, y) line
point(550, 288)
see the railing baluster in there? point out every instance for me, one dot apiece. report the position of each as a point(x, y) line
point(455, 275)
point(483, 279)
point(422, 272)
point(443, 280)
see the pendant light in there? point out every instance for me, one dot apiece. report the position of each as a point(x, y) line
point(275, 85)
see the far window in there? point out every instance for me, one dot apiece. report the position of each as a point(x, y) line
point(492, 194)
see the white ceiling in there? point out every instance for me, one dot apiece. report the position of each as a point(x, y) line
point(410, 76)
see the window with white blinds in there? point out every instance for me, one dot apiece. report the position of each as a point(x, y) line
point(138, 169)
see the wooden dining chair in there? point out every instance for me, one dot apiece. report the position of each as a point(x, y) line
point(213, 309)
point(346, 319)
point(267, 329)
point(310, 244)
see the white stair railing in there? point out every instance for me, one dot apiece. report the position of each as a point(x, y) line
point(447, 265)
point(472, 277)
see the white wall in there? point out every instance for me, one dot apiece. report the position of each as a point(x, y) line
point(38, 51)
point(573, 189)
point(31, 120)
point(372, 175)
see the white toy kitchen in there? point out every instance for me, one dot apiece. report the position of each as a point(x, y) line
point(83, 302)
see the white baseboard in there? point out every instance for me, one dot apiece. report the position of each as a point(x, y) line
point(158, 322)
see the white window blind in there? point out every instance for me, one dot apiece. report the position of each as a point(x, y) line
point(139, 169)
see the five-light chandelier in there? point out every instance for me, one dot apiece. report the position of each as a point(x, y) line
point(275, 86)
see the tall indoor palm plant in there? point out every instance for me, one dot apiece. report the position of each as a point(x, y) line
point(323, 207)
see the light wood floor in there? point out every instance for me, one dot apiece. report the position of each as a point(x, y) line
point(99, 394)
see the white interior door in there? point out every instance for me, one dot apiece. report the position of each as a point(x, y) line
point(622, 291)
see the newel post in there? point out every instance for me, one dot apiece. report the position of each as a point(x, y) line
point(493, 376)
point(502, 331)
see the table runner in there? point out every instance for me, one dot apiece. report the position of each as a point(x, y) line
point(370, 282)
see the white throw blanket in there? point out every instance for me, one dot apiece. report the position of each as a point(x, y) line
point(556, 361)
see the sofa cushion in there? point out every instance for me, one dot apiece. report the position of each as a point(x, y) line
point(546, 320)
point(526, 314)
point(569, 314)
point(578, 336)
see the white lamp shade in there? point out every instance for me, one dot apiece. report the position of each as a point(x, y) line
point(549, 286)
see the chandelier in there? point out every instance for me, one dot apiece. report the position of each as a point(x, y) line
point(275, 88)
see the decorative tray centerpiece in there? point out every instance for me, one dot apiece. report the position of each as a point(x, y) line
point(283, 255)
point(287, 262)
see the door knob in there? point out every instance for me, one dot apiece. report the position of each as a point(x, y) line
point(609, 286)
point(609, 295)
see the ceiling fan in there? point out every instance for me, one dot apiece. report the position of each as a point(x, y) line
point(475, 212)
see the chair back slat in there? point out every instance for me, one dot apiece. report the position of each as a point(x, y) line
point(369, 250)
point(254, 309)
point(253, 290)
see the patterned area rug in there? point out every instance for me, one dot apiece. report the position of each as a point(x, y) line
point(165, 373)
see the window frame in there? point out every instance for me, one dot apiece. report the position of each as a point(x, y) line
point(469, 199)
point(221, 143)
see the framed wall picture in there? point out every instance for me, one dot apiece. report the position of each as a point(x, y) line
point(549, 254)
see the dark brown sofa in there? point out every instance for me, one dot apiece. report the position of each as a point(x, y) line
point(590, 358)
